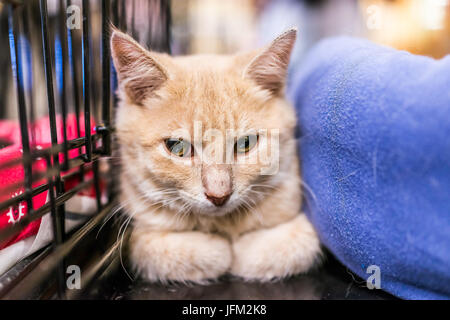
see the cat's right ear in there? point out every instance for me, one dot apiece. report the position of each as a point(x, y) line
point(139, 74)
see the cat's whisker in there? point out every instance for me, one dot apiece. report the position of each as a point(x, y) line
point(184, 210)
point(308, 188)
point(313, 195)
point(253, 208)
point(113, 212)
point(260, 194)
point(181, 213)
point(120, 251)
point(126, 223)
point(159, 193)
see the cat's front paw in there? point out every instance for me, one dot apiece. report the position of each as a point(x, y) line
point(284, 250)
point(180, 256)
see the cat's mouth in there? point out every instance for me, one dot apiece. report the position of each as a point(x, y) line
point(237, 202)
point(204, 206)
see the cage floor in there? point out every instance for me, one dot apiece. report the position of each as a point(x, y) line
point(331, 281)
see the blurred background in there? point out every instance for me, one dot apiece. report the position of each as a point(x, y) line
point(418, 26)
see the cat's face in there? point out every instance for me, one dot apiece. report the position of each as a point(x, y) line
point(206, 134)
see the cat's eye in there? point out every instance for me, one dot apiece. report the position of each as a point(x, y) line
point(179, 147)
point(246, 143)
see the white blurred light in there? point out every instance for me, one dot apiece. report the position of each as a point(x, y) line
point(433, 13)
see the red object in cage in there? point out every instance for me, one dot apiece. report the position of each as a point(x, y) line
point(11, 178)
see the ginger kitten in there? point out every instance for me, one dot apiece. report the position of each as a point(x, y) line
point(210, 173)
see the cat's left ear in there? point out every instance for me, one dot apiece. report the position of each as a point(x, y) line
point(269, 68)
point(139, 74)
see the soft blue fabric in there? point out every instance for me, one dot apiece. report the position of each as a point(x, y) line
point(374, 137)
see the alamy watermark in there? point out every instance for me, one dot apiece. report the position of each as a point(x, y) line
point(73, 17)
point(374, 280)
point(73, 281)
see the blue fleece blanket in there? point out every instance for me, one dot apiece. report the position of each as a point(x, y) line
point(374, 138)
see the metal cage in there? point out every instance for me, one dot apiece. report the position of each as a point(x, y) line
point(68, 59)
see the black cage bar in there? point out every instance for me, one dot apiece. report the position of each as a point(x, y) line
point(67, 59)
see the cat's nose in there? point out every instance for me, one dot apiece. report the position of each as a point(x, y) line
point(217, 201)
point(216, 180)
